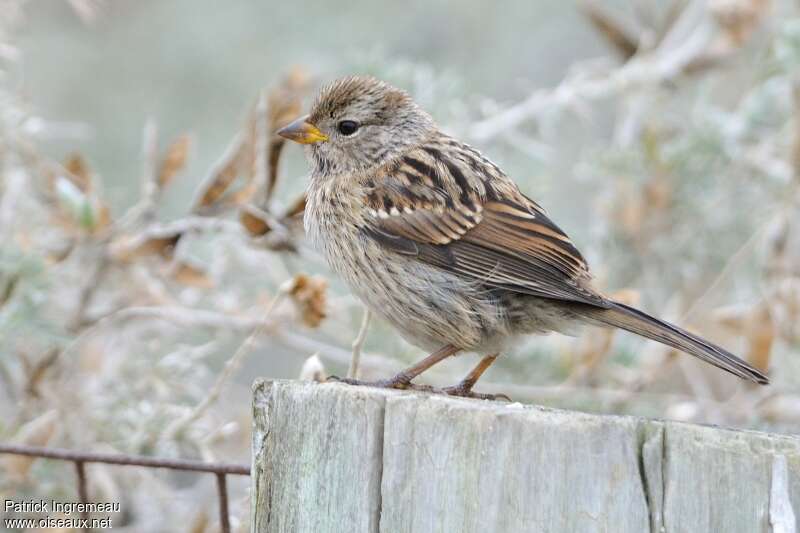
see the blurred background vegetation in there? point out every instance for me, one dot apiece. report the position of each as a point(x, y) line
point(149, 272)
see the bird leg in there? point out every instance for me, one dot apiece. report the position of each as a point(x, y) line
point(402, 380)
point(464, 388)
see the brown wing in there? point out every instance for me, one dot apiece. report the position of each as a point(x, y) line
point(492, 233)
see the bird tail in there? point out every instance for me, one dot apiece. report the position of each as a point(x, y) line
point(635, 321)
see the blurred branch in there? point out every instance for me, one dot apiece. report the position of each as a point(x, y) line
point(98, 266)
point(262, 178)
point(685, 43)
point(221, 176)
point(795, 153)
point(150, 188)
point(613, 32)
point(185, 317)
point(285, 104)
point(37, 373)
point(144, 209)
point(355, 362)
point(231, 366)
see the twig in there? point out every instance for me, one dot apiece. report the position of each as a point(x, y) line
point(144, 210)
point(8, 383)
point(91, 282)
point(355, 362)
point(38, 371)
point(730, 263)
point(221, 175)
point(795, 153)
point(625, 44)
point(260, 149)
point(183, 316)
point(150, 187)
point(158, 230)
point(330, 352)
point(231, 366)
point(662, 64)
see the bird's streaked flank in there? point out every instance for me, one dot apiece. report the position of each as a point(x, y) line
point(438, 241)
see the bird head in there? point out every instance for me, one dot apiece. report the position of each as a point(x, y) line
point(357, 123)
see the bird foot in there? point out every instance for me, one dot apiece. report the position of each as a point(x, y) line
point(461, 390)
point(464, 391)
point(393, 383)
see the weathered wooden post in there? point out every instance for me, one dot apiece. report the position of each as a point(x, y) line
point(334, 458)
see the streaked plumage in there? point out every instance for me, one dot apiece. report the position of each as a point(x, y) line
point(438, 241)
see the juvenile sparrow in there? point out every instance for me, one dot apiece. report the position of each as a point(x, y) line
point(439, 242)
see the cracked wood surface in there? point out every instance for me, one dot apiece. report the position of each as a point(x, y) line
point(331, 458)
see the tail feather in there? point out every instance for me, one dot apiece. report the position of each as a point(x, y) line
point(635, 321)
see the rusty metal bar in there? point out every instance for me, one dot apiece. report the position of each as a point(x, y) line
point(125, 459)
point(222, 491)
point(81, 458)
point(83, 496)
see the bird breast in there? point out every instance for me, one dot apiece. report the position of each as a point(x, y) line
point(428, 306)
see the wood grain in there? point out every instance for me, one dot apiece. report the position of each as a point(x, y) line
point(332, 457)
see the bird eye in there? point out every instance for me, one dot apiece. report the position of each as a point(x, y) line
point(347, 127)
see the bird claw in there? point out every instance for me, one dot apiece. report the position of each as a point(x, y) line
point(460, 391)
point(464, 392)
point(382, 383)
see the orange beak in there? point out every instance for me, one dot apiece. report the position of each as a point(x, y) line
point(303, 132)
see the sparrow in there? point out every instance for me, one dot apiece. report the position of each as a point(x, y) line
point(439, 242)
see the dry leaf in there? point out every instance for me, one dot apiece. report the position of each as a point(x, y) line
point(174, 160)
point(787, 305)
point(627, 296)
point(57, 255)
point(78, 172)
point(738, 19)
point(686, 411)
point(313, 370)
point(200, 522)
point(624, 43)
point(71, 188)
point(760, 337)
point(79, 211)
point(309, 296)
point(284, 104)
point(628, 214)
point(7, 288)
point(223, 175)
point(731, 317)
point(243, 195)
point(37, 432)
point(128, 248)
point(591, 350)
point(285, 101)
point(254, 221)
point(757, 325)
point(37, 373)
point(192, 275)
point(93, 356)
point(296, 208)
point(783, 408)
point(243, 157)
point(102, 217)
point(595, 347)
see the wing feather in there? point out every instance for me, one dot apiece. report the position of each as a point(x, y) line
point(482, 229)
